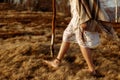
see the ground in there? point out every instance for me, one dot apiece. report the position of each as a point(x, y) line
point(25, 42)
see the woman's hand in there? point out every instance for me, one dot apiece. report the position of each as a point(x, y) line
point(83, 28)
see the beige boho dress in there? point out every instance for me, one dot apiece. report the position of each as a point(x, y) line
point(82, 12)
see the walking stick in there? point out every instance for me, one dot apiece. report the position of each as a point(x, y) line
point(53, 27)
point(116, 11)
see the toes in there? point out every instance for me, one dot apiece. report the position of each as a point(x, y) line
point(50, 63)
point(96, 74)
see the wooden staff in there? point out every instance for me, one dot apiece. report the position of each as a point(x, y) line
point(53, 27)
point(116, 11)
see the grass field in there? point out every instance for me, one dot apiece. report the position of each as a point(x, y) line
point(25, 41)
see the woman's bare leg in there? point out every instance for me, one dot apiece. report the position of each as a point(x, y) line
point(86, 52)
point(63, 49)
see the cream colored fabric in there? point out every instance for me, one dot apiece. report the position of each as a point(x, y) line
point(73, 31)
point(79, 15)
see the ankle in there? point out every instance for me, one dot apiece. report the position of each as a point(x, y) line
point(93, 71)
point(57, 61)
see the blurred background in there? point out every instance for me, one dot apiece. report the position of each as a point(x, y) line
point(46, 5)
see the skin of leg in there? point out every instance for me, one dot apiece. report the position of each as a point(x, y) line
point(65, 45)
point(63, 49)
point(86, 52)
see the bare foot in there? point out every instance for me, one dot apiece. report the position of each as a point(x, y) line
point(55, 63)
point(94, 73)
point(97, 74)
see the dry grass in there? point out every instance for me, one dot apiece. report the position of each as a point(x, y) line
point(21, 53)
